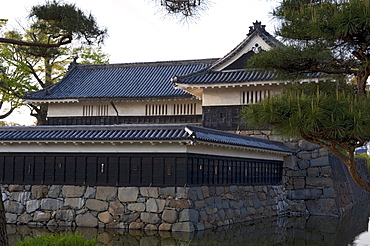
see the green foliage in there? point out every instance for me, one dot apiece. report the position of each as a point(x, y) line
point(63, 239)
point(366, 157)
point(90, 55)
point(327, 112)
point(329, 36)
point(66, 21)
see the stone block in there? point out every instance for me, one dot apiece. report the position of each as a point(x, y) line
point(39, 216)
point(323, 207)
point(39, 191)
point(116, 208)
point(191, 215)
point(304, 194)
point(169, 216)
point(24, 219)
point(128, 194)
point(303, 164)
point(183, 226)
point(96, 205)
point(199, 204)
point(127, 218)
point(205, 191)
point(199, 226)
point(136, 225)
point(11, 218)
point(182, 192)
point(165, 227)
point(150, 227)
point(12, 188)
point(54, 191)
point(20, 196)
point(149, 192)
point(320, 162)
point(305, 145)
point(65, 215)
point(151, 218)
point(13, 207)
point(105, 217)
point(182, 203)
point(75, 203)
point(32, 206)
point(319, 182)
point(106, 193)
point(90, 192)
point(86, 220)
point(313, 171)
point(51, 204)
point(139, 207)
point(167, 192)
point(73, 191)
point(299, 183)
point(304, 155)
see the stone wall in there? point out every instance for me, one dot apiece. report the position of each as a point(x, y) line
point(149, 208)
point(318, 183)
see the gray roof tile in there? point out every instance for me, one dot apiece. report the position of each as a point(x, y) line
point(168, 132)
point(151, 80)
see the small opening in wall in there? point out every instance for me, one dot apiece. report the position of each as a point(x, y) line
point(200, 167)
point(102, 167)
point(169, 170)
point(216, 170)
point(230, 168)
point(135, 168)
point(221, 115)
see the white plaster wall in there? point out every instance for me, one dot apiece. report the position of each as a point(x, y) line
point(125, 108)
point(232, 95)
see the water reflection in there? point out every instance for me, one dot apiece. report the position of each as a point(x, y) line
point(314, 230)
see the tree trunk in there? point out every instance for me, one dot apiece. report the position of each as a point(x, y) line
point(3, 234)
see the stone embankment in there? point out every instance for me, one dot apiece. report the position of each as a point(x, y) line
point(149, 208)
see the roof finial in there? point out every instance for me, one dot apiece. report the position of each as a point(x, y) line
point(256, 26)
point(73, 63)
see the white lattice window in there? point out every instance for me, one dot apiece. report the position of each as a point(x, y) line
point(252, 97)
point(95, 110)
point(171, 109)
point(185, 109)
point(156, 109)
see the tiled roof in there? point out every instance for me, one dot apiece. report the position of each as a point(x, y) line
point(234, 76)
point(256, 30)
point(150, 80)
point(170, 132)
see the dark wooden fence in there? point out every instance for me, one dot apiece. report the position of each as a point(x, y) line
point(111, 120)
point(135, 169)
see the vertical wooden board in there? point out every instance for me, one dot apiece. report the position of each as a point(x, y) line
point(102, 167)
point(169, 171)
point(91, 170)
point(8, 169)
point(158, 166)
point(147, 171)
point(124, 171)
point(49, 170)
point(39, 169)
point(135, 171)
point(80, 169)
point(70, 170)
point(1, 168)
point(200, 170)
point(29, 162)
point(113, 171)
point(59, 169)
point(206, 173)
point(19, 169)
point(180, 171)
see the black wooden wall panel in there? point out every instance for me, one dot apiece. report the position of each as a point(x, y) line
point(135, 169)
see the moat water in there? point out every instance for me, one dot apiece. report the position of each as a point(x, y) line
point(351, 229)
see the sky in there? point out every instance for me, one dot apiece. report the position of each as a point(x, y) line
point(139, 32)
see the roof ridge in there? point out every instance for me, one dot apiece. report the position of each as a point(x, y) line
point(148, 64)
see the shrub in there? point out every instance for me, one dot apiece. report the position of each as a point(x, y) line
point(366, 157)
point(62, 239)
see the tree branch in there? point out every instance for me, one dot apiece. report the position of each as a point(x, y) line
point(68, 40)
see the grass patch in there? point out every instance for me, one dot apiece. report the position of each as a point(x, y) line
point(62, 239)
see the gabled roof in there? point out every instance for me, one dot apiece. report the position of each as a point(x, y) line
point(169, 132)
point(257, 30)
point(148, 80)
